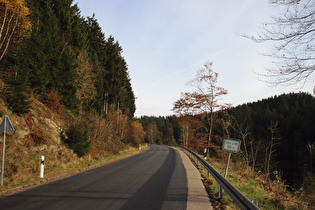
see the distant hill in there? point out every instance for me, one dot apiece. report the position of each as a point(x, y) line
point(294, 114)
point(277, 134)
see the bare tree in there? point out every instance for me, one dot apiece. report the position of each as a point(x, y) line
point(243, 127)
point(254, 149)
point(271, 146)
point(204, 101)
point(226, 122)
point(152, 132)
point(293, 34)
point(185, 130)
point(311, 149)
point(244, 131)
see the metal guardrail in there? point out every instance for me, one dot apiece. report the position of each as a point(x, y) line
point(239, 198)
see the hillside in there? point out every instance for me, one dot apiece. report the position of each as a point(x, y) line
point(67, 54)
point(38, 133)
point(66, 88)
point(284, 125)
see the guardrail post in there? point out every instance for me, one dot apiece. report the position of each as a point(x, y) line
point(220, 193)
point(255, 202)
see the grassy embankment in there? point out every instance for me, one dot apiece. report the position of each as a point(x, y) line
point(54, 169)
point(38, 133)
point(270, 194)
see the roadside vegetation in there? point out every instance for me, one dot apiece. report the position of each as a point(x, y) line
point(276, 135)
point(270, 194)
point(41, 132)
point(66, 89)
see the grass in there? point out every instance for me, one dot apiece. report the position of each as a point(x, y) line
point(270, 194)
point(55, 169)
point(38, 133)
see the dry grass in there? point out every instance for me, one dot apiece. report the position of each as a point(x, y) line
point(270, 194)
point(59, 162)
point(38, 133)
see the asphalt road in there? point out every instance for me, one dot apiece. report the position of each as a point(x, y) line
point(154, 179)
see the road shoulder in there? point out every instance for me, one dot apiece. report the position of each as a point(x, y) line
point(197, 195)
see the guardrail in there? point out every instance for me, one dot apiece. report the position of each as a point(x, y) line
point(239, 198)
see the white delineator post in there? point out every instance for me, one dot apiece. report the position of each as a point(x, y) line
point(42, 167)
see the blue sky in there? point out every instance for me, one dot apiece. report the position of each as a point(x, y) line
point(165, 42)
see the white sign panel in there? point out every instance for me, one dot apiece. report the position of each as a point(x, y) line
point(231, 145)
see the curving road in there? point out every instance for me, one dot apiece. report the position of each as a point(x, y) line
point(154, 179)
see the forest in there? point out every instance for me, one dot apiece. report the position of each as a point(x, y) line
point(50, 55)
point(53, 49)
point(277, 134)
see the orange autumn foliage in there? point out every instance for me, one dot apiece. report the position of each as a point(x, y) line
point(14, 23)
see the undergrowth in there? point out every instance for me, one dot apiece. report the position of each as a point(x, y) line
point(38, 133)
point(270, 194)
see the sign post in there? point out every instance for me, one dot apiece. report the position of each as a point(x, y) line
point(230, 146)
point(6, 126)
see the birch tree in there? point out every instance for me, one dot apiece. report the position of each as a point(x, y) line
point(14, 23)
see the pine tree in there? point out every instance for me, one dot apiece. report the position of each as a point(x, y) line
point(16, 96)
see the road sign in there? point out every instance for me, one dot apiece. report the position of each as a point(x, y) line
point(231, 145)
point(6, 125)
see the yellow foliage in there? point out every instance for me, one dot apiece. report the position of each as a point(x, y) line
point(16, 9)
point(138, 133)
point(15, 23)
point(85, 78)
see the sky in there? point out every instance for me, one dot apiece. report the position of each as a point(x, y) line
point(165, 42)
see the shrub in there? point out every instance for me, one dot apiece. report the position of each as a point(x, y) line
point(18, 101)
point(77, 139)
point(54, 102)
